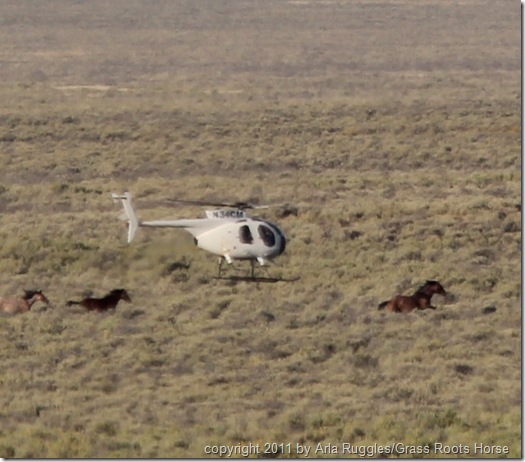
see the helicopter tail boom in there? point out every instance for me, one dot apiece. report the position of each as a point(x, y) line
point(133, 222)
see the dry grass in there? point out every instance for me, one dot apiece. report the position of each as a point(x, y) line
point(400, 145)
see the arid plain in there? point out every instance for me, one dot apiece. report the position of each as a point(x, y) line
point(392, 126)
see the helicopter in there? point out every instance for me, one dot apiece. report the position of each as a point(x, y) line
point(227, 232)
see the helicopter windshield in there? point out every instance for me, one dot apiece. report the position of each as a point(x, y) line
point(267, 235)
point(245, 235)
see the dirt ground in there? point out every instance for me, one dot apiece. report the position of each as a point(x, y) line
point(392, 127)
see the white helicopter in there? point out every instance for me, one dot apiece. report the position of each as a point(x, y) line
point(229, 233)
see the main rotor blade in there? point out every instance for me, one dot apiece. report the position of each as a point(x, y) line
point(237, 205)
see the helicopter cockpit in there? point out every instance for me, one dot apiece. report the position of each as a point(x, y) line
point(270, 236)
point(266, 234)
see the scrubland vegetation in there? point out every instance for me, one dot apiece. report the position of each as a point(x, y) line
point(393, 127)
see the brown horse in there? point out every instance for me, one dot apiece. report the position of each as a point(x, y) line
point(105, 303)
point(22, 304)
point(420, 299)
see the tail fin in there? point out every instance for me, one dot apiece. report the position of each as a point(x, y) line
point(382, 305)
point(133, 222)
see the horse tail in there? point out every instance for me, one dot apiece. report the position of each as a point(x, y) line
point(382, 305)
point(72, 302)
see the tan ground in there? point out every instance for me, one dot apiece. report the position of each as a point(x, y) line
point(393, 126)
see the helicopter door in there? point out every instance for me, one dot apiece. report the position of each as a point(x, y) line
point(267, 235)
point(245, 235)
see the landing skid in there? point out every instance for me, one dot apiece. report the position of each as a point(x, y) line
point(251, 277)
point(255, 279)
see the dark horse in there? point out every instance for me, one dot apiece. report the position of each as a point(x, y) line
point(420, 299)
point(104, 303)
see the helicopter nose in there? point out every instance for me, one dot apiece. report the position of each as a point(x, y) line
point(282, 245)
point(282, 241)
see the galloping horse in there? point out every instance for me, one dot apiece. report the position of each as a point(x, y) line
point(104, 303)
point(420, 299)
point(22, 304)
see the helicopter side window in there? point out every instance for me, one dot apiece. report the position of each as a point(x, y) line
point(267, 235)
point(245, 235)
